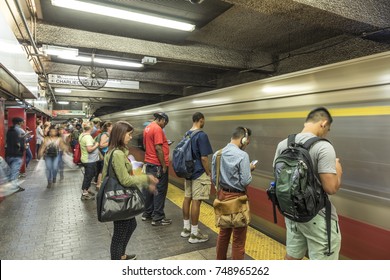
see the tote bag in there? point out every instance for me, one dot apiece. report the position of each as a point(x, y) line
point(115, 202)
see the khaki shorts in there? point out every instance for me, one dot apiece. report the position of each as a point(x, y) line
point(312, 236)
point(198, 189)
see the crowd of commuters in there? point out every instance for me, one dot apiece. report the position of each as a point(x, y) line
point(101, 141)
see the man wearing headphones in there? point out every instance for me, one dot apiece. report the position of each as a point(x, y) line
point(235, 176)
point(157, 161)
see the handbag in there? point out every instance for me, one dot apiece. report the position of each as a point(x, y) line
point(231, 213)
point(115, 202)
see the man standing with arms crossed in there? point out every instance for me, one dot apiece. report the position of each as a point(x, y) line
point(197, 188)
point(157, 161)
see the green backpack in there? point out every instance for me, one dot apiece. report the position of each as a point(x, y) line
point(297, 190)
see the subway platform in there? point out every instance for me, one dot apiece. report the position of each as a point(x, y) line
point(55, 224)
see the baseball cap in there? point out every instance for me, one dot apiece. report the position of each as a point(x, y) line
point(159, 115)
point(96, 120)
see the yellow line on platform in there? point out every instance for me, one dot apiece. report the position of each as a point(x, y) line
point(339, 112)
point(258, 246)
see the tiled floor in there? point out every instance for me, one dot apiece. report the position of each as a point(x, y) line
point(42, 223)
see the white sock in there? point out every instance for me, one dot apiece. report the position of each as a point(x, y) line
point(187, 224)
point(194, 229)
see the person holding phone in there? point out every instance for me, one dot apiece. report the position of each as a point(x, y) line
point(157, 161)
point(234, 178)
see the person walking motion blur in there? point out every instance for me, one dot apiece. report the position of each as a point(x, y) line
point(120, 136)
point(50, 150)
point(15, 149)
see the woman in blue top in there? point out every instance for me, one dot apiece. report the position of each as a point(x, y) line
point(103, 139)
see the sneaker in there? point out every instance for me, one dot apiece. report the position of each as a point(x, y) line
point(20, 189)
point(146, 219)
point(162, 222)
point(198, 238)
point(91, 192)
point(130, 257)
point(49, 185)
point(87, 197)
point(185, 233)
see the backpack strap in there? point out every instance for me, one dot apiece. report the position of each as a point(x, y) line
point(307, 145)
point(328, 213)
point(291, 140)
point(219, 155)
point(328, 208)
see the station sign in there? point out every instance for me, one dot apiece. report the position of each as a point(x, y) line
point(74, 81)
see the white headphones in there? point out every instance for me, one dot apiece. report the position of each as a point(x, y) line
point(244, 140)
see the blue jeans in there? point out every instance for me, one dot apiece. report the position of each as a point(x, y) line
point(61, 164)
point(29, 156)
point(51, 168)
point(14, 163)
point(155, 203)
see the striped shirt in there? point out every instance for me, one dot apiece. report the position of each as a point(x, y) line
point(235, 171)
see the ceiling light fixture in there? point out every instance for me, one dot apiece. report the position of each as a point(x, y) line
point(59, 51)
point(102, 61)
point(62, 90)
point(63, 102)
point(122, 14)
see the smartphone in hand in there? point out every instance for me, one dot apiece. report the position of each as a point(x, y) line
point(254, 162)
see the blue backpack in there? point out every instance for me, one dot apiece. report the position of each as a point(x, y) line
point(183, 161)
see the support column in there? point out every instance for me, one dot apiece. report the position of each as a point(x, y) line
point(21, 113)
point(2, 128)
point(32, 125)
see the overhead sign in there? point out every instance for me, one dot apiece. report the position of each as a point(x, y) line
point(74, 81)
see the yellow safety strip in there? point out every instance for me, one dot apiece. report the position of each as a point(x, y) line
point(258, 246)
point(338, 112)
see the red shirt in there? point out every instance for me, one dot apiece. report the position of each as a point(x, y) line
point(154, 135)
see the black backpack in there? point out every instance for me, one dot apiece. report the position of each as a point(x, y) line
point(52, 150)
point(297, 190)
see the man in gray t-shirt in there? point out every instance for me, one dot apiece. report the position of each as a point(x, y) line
point(312, 235)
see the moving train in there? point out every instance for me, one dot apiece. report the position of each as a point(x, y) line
point(356, 92)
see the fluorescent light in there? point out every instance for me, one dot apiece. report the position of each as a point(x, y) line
point(104, 61)
point(59, 51)
point(63, 90)
point(122, 14)
point(118, 62)
point(63, 102)
point(76, 58)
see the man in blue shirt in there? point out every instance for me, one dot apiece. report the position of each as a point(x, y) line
point(197, 188)
point(235, 176)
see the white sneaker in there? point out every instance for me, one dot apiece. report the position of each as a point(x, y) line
point(198, 238)
point(185, 233)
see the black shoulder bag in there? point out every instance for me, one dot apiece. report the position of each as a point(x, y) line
point(115, 202)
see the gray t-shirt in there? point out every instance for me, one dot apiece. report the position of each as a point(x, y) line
point(323, 156)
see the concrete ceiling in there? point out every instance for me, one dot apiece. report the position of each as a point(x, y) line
point(235, 41)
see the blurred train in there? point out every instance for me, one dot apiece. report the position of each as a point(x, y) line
point(357, 93)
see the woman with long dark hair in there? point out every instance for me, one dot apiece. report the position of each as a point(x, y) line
point(50, 149)
point(120, 136)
